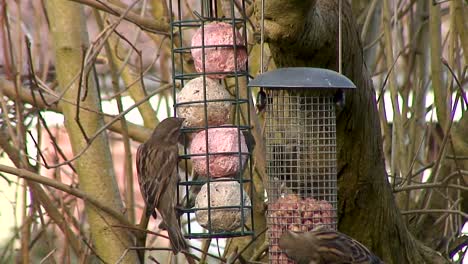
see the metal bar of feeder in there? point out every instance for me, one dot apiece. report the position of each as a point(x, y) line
point(207, 12)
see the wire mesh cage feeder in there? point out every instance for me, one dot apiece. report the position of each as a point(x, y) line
point(209, 58)
point(300, 135)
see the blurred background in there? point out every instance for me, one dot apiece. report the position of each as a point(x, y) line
point(128, 61)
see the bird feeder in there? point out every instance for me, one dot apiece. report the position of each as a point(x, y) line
point(300, 135)
point(209, 58)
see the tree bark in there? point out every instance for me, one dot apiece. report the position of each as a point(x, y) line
point(305, 33)
point(94, 167)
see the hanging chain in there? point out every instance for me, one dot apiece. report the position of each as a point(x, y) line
point(340, 37)
point(262, 37)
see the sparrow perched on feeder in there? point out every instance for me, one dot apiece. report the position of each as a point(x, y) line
point(323, 245)
point(156, 161)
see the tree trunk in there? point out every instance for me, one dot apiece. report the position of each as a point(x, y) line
point(305, 33)
point(94, 167)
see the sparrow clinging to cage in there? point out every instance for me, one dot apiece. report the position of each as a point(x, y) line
point(157, 161)
point(324, 245)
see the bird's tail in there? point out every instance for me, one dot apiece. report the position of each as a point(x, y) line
point(171, 224)
point(178, 241)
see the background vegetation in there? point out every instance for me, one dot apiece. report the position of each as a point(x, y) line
point(83, 82)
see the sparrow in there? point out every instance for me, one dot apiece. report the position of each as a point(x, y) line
point(156, 162)
point(325, 246)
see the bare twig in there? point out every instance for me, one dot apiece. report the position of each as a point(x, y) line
point(249, 244)
point(136, 132)
point(429, 185)
point(22, 173)
point(158, 26)
point(115, 119)
point(430, 211)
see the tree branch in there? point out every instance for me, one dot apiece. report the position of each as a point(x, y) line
point(25, 174)
point(135, 132)
point(154, 25)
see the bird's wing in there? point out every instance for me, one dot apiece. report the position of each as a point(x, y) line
point(361, 254)
point(140, 166)
point(332, 247)
point(152, 182)
point(355, 251)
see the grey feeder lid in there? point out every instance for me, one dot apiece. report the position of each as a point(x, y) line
point(302, 78)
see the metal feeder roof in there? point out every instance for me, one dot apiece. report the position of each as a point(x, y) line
point(302, 78)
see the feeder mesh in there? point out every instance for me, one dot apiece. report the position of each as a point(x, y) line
point(186, 21)
point(301, 164)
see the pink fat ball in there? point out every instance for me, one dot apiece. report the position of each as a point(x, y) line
point(224, 139)
point(219, 59)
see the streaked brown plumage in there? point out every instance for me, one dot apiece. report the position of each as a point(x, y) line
point(157, 160)
point(324, 246)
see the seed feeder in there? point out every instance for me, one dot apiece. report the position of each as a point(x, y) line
point(209, 58)
point(300, 135)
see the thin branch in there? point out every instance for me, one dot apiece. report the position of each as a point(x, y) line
point(249, 244)
point(106, 126)
point(157, 26)
point(136, 132)
point(54, 143)
point(448, 127)
point(128, 170)
point(81, 96)
point(155, 249)
point(164, 236)
point(25, 174)
point(430, 211)
point(429, 185)
point(456, 157)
